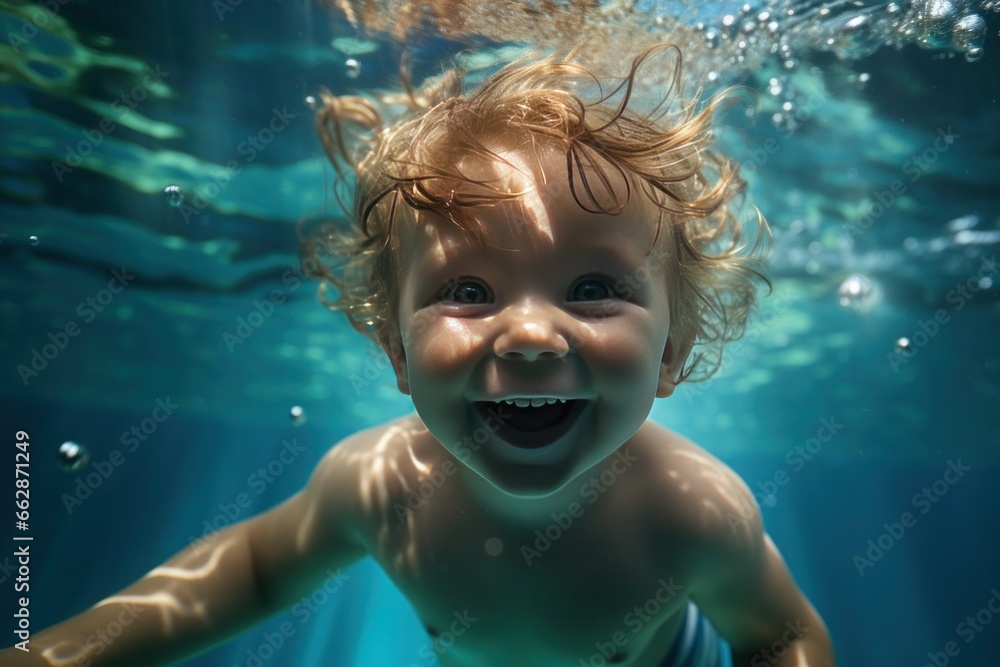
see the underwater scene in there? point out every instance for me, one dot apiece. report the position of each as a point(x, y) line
point(170, 369)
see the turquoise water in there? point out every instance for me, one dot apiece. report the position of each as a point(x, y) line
point(885, 167)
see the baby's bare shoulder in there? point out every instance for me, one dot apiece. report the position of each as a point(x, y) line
point(373, 446)
point(697, 493)
point(367, 468)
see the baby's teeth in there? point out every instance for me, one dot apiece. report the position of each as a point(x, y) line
point(533, 402)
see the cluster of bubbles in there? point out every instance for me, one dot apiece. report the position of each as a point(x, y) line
point(71, 456)
point(861, 30)
point(747, 34)
point(781, 28)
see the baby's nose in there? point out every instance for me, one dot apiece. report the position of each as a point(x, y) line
point(532, 331)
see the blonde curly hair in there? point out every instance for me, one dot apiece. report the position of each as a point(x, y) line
point(414, 162)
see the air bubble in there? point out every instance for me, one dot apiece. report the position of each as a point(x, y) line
point(297, 415)
point(855, 36)
point(854, 291)
point(71, 456)
point(311, 102)
point(903, 345)
point(972, 55)
point(352, 68)
point(494, 546)
point(939, 18)
point(33, 240)
point(174, 195)
point(969, 33)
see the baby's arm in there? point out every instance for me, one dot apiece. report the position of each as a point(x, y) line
point(748, 594)
point(216, 588)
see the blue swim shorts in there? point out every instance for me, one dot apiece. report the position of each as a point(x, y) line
point(698, 644)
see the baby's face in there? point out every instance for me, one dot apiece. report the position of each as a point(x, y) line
point(565, 309)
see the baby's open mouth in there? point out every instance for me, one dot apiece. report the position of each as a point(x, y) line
point(533, 422)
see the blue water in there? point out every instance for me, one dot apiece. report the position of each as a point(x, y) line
point(903, 420)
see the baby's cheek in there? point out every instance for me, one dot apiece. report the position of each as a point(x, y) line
point(443, 349)
point(625, 344)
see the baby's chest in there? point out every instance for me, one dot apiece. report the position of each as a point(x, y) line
point(555, 594)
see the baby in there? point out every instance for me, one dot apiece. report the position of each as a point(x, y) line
point(538, 269)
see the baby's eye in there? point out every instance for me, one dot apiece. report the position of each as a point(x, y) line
point(465, 291)
point(591, 289)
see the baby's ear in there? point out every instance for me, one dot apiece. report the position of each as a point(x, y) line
point(392, 345)
point(675, 353)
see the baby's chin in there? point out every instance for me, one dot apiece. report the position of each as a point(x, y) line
point(530, 489)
